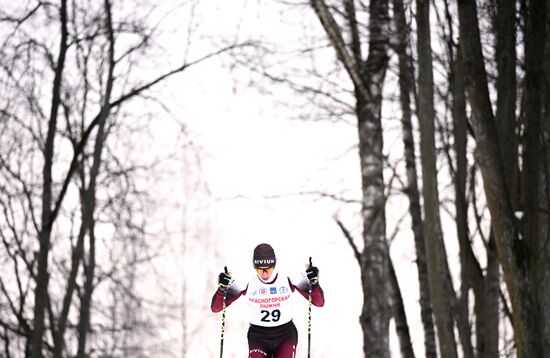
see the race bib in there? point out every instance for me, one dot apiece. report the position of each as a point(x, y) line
point(269, 304)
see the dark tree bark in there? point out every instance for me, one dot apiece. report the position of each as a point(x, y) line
point(41, 290)
point(406, 88)
point(440, 287)
point(535, 187)
point(507, 128)
point(507, 94)
point(400, 317)
point(488, 337)
point(461, 205)
point(88, 207)
point(368, 77)
point(515, 250)
point(486, 288)
point(89, 203)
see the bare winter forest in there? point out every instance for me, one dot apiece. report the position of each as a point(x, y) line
point(405, 144)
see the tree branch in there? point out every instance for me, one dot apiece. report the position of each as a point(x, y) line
point(335, 35)
point(350, 239)
point(86, 134)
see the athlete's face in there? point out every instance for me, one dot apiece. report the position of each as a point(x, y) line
point(264, 272)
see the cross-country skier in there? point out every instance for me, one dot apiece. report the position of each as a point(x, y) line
point(271, 333)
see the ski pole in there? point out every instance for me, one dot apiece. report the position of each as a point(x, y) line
point(309, 318)
point(223, 317)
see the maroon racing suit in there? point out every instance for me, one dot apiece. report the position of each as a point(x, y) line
point(277, 341)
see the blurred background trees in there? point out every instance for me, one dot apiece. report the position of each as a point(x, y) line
point(76, 177)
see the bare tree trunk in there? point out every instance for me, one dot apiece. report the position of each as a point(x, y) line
point(76, 260)
point(90, 204)
point(86, 299)
point(437, 264)
point(489, 337)
point(507, 129)
point(397, 306)
point(42, 271)
point(535, 180)
point(506, 94)
point(486, 289)
point(513, 250)
point(368, 79)
point(406, 88)
point(461, 173)
point(375, 314)
point(400, 317)
point(468, 263)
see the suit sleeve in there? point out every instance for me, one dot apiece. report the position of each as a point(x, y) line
point(232, 296)
point(317, 294)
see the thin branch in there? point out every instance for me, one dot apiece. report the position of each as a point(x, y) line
point(335, 35)
point(86, 134)
point(348, 236)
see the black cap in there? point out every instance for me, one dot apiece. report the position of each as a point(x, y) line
point(264, 256)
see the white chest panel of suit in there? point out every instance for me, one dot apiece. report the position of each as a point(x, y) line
point(269, 305)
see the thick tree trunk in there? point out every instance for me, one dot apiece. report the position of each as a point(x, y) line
point(486, 289)
point(368, 79)
point(535, 179)
point(514, 251)
point(375, 314)
point(42, 271)
point(437, 264)
point(506, 94)
point(406, 88)
point(507, 129)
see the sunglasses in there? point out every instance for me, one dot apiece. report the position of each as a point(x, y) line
point(261, 270)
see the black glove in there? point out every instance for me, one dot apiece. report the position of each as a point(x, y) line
point(312, 274)
point(224, 280)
